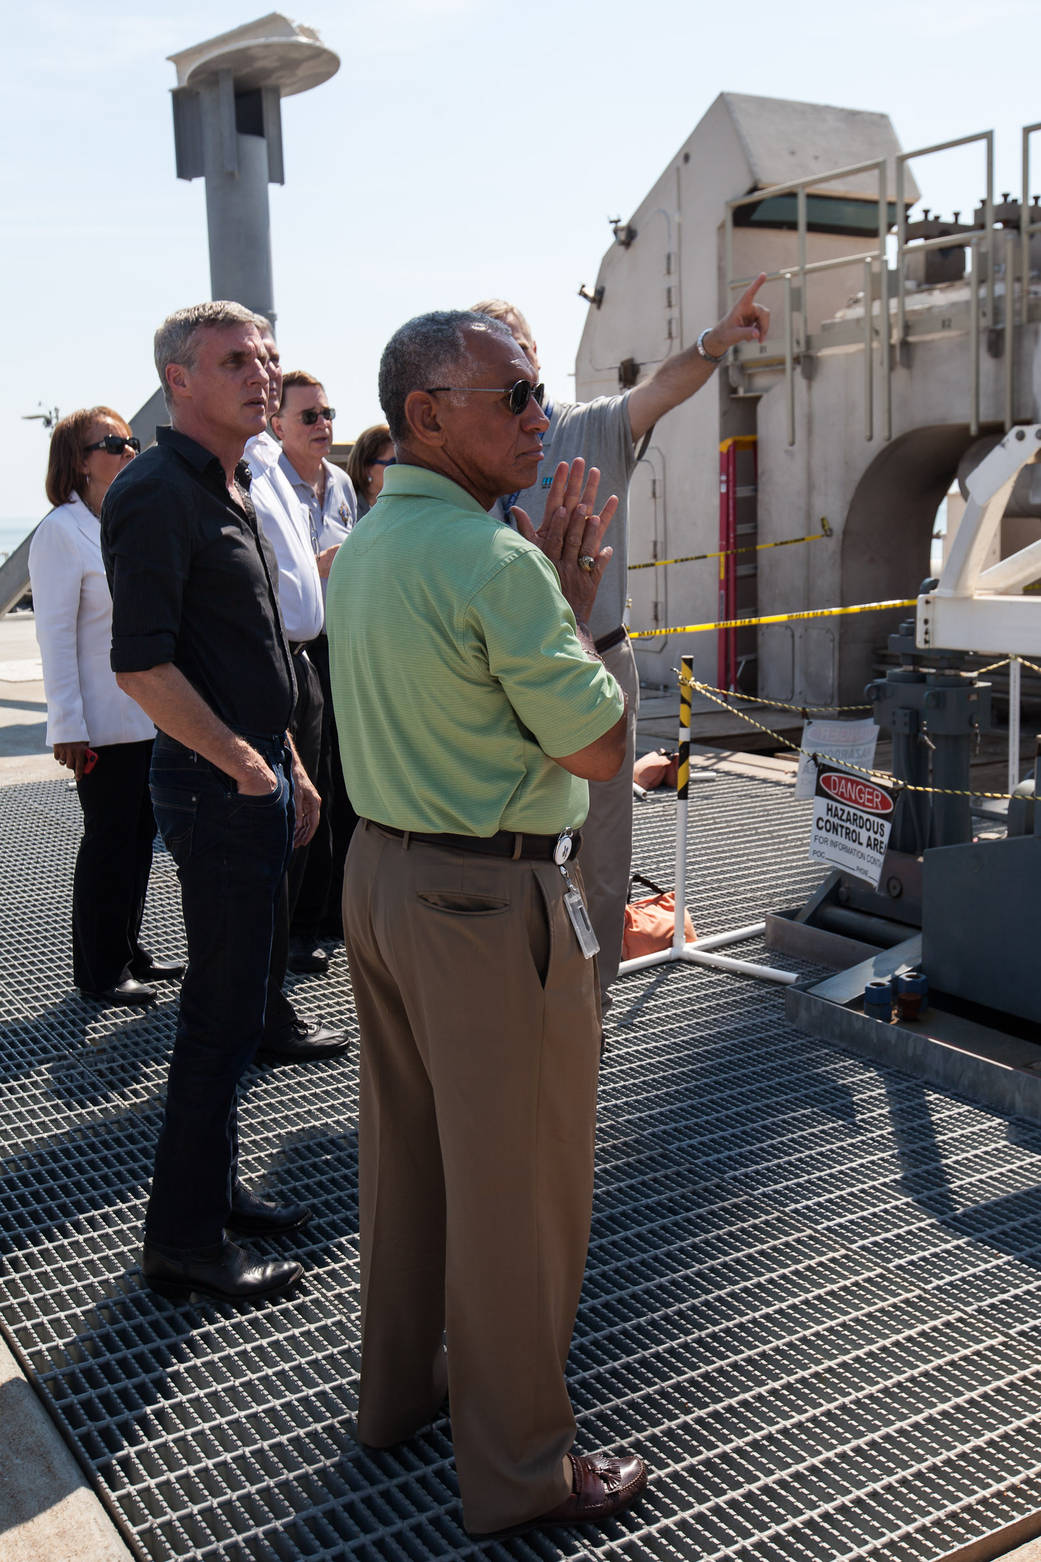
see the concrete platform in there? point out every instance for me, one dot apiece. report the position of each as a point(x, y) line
point(48, 1513)
point(765, 1205)
point(25, 754)
point(48, 1510)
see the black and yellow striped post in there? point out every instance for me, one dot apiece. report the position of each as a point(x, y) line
point(686, 687)
point(682, 793)
point(703, 951)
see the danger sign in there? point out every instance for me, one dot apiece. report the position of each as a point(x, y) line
point(852, 818)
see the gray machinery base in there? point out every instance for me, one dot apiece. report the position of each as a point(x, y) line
point(981, 917)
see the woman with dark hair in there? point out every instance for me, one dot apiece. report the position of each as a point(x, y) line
point(96, 730)
point(371, 454)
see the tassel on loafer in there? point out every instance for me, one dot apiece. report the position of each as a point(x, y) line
point(601, 1486)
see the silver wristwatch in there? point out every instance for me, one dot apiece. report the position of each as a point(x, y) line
point(703, 350)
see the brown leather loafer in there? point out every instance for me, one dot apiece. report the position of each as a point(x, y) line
point(601, 1486)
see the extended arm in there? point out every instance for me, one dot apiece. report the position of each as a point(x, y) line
point(678, 378)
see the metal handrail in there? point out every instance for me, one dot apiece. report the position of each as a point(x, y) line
point(804, 268)
point(902, 246)
point(972, 239)
point(1026, 229)
point(786, 276)
point(799, 187)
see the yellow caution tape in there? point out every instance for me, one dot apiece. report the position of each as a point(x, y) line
point(724, 553)
point(772, 618)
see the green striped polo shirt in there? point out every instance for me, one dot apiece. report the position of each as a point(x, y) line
point(457, 670)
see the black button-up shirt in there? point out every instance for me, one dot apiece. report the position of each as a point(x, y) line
point(193, 582)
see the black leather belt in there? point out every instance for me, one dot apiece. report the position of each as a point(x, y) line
point(609, 641)
point(506, 843)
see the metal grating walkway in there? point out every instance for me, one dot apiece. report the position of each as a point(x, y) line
point(812, 1295)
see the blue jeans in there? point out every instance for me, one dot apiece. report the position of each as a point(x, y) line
point(231, 853)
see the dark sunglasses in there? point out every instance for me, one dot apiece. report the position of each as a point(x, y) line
point(517, 395)
point(115, 444)
point(312, 414)
point(387, 461)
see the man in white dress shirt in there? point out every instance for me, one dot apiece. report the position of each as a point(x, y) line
point(286, 526)
point(304, 425)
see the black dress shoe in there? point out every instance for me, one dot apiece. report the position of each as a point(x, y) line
point(307, 957)
point(147, 968)
point(225, 1271)
point(300, 1042)
point(254, 1216)
point(128, 991)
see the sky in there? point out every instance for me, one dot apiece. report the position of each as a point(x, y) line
point(465, 148)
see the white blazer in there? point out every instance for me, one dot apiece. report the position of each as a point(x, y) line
point(73, 611)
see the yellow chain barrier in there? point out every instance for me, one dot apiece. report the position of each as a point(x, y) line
point(802, 710)
point(772, 618)
point(881, 776)
point(725, 553)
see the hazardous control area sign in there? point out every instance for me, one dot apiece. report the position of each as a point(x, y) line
point(852, 818)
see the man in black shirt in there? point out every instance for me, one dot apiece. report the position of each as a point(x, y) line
point(197, 640)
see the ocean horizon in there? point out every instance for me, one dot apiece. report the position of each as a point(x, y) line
point(14, 530)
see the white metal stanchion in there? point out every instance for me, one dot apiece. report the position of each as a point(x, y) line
point(702, 950)
point(1015, 680)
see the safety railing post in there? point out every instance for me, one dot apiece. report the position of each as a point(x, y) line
point(732, 564)
point(884, 324)
point(1015, 685)
point(724, 563)
point(869, 356)
point(974, 338)
point(1024, 227)
point(989, 229)
point(800, 207)
point(901, 241)
point(682, 791)
point(789, 358)
point(1008, 341)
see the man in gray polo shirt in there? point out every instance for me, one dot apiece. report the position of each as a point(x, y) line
point(605, 432)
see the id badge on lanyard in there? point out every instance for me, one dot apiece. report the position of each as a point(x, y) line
point(574, 905)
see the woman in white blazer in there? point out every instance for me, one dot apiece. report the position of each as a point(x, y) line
point(96, 730)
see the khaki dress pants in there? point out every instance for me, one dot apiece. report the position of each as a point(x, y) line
point(480, 1035)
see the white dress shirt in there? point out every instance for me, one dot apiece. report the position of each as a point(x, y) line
point(261, 452)
point(73, 610)
point(330, 522)
point(285, 524)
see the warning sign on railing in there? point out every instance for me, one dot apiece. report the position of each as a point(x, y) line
point(852, 818)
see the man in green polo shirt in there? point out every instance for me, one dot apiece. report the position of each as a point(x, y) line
point(471, 711)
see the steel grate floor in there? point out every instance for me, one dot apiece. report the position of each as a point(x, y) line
point(811, 1299)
